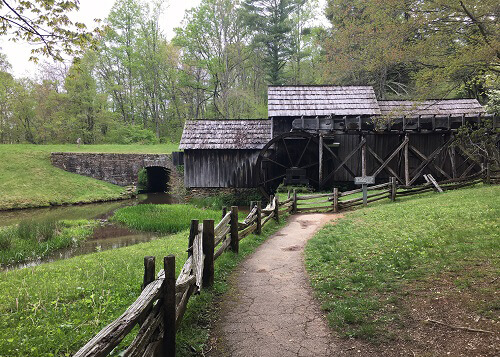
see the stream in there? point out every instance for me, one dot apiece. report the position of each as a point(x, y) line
point(106, 236)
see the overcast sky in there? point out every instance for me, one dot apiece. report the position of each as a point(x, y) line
point(18, 53)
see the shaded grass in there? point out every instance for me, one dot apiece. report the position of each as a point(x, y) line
point(27, 178)
point(359, 265)
point(55, 308)
point(32, 240)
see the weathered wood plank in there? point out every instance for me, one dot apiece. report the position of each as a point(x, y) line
point(220, 237)
point(222, 224)
point(242, 234)
point(222, 248)
point(310, 197)
point(111, 335)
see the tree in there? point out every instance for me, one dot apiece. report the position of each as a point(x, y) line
point(45, 24)
point(85, 106)
point(272, 30)
point(430, 48)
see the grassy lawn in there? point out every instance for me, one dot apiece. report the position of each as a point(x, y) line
point(55, 308)
point(363, 266)
point(27, 178)
point(31, 240)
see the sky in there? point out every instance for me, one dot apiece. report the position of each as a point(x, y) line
point(18, 53)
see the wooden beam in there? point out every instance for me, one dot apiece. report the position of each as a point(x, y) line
point(418, 171)
point(363, 156)
point(423, 157)
point(320, 154)
point(386, 162)
point(407, 157)
point(343, 163)
point(387, 168)
point(337, 158)
point(453, 162)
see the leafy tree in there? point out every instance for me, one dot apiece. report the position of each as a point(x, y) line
point(433, 48)
point(45, 24)
point(272, 30)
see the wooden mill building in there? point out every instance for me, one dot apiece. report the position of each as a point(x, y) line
point(325, 135)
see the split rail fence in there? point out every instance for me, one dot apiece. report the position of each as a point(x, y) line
point(161, 306)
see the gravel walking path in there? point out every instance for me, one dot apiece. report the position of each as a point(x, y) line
point(271, 310)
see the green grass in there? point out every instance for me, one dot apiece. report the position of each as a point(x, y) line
point(163, 218)
point(55, 308)
point(31, 240)
point(27, 178)
point(361, 266)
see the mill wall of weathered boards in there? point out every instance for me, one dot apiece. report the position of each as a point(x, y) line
point(161, 306)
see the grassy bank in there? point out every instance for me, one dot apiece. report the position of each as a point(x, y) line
point(31, 240)
point(163, 218)
point(27, 178)
point(362, 267)
point(55, 308)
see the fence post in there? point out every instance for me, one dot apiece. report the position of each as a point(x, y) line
point(276, 209)
point(224, 211)
point(393, 189)
point(149, 271)
point(294, 206)
point(168, 342)
point(258, 230)
point(235, 243)
point(335, 200)
point(193, 231)
point(289, 194)
point(208, 243)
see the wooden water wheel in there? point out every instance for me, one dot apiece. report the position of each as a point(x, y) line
point(293, 158)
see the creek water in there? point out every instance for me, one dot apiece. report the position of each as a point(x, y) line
point(105, 236)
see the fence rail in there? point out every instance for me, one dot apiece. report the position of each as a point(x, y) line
point(160, 307)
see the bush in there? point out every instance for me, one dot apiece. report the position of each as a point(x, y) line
point(131, 134)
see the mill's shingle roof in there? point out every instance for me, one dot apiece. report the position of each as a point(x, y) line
point(225, 134)
point(299, 101)
point(452, 107)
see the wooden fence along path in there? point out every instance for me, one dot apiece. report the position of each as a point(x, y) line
point(160, 307)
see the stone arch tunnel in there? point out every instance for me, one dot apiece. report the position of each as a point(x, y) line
point(121, 169)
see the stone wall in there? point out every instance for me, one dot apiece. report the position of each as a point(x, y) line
point(119, 169)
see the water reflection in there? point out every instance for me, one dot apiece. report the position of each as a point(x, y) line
point(106, 236)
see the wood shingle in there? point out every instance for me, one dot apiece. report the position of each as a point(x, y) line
point(225, 134)
point(444, 107)
point(289, 101)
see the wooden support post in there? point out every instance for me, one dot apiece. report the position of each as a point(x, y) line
point(235, 243)
point(407, 163)
point(149, 271)
point(294, 206)
point(224, 211)
point(335, 200)
point(168, 342)
point(394, 188)
point(208, 243)
point(363, 157)
point(320, 159)
point(488, 174)
point(193, 231)
point(277, 209)
point(258, 230)
point(289, 194)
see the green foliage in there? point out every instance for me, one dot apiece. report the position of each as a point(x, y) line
point(359, 265)
point(45, 25)
point(31, 240)
point(412, 48)
point(162, 218)
point(131, 134)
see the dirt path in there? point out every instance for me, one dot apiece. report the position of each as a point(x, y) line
point(271, 310)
